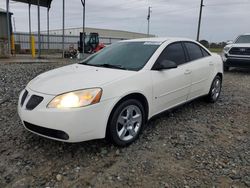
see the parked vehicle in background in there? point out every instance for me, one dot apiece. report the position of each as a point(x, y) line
point(71, 53)
point(91, 44)
point(237, 53)
point(115, 92)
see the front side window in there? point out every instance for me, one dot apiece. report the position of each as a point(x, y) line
point(173, 52)
point(124, 55)
point(194, 51)
point(243, 39)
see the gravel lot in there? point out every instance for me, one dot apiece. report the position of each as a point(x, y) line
point(196, 145)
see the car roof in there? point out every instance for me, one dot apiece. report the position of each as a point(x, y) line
point(158, 39)
point(246, 34)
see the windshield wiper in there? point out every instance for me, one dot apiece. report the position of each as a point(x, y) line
point(106, 65)
point(111, 66)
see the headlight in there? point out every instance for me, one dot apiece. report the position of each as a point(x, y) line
point(76, 99)
point(227, 48)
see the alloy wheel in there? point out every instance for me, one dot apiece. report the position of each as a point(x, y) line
point(216, 89)
point(129, 122)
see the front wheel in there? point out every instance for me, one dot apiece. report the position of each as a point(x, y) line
point(126, 122)
point(215, 90)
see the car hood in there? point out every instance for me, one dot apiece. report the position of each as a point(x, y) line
point(240, 45)
point(75, 77)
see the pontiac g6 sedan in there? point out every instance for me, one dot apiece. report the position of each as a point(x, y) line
point(115, 92)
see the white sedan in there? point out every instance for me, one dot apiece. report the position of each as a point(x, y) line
point(115, 92)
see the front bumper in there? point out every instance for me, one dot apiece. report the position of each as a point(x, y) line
point(68, 125)
point(236, 61)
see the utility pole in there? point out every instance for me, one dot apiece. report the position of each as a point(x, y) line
point(83, 28)
point(199, 23)
point(63, 27)
point(48, 34)
point(30, 27)
point(8, 25)
point(39, 34)
point(148, 18)
point(14, 24)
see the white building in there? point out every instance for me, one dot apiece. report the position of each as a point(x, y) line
point(104, 33)
point(72, 36)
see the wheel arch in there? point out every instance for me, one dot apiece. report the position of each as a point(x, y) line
point(138, 96)
point(220, 75)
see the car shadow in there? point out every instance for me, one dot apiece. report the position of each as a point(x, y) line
point(57, 146)
point(239, 70)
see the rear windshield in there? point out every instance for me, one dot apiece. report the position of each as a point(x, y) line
point(243, 39)
point(126, 55)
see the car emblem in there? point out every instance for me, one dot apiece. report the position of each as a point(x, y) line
point(242, 49)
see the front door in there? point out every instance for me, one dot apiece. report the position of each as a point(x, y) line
point(171, 86)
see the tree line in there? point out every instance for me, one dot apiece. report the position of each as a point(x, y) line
point(213, 44)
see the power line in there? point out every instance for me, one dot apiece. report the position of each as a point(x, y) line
point(174, 11)
point(224, 4)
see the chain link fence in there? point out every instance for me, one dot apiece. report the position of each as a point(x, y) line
point(53, 43)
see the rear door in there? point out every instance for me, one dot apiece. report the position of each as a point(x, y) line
point(171, 86)
point(200, 65)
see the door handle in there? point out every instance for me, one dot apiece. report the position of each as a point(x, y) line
point(187, 72)
point(211, 63)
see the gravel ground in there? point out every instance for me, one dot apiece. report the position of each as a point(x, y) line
point(196, 145)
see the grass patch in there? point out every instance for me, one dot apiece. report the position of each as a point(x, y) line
point(216, 50)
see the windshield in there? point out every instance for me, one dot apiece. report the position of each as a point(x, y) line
point(124, 55)
point(243, 39)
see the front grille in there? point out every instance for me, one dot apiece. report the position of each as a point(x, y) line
point(240, 51)
point(24, 97)
point(33, 102)
point(46, 131)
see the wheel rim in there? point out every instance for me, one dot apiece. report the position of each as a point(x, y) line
point(129, 122)
point(90, 51)
point(216, 89)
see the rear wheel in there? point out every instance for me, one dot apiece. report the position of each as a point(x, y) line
point(88, 49)
point(215, 90)
point(126, 122)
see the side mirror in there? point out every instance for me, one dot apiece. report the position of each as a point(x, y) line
point(165, 64)
point(229, 42)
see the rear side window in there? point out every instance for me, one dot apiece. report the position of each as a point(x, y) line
point(174, 52)
point(194, 51)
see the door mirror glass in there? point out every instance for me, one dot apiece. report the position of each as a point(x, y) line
point(165, 64)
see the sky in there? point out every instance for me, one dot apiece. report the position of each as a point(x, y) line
point(222, 20)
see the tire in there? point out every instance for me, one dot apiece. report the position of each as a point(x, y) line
point(226, 69)
point(215, 90)
point(90, 50)
point(126, 123)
